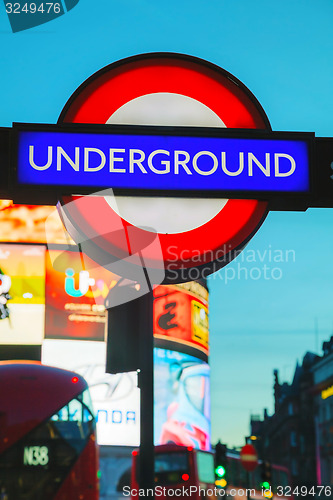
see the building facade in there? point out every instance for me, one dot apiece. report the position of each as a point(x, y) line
point(323, 397)
point(288, 436)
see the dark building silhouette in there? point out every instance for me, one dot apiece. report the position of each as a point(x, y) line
point(323, 397)
point(288, 436)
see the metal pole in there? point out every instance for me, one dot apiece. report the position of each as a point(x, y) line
point(247, 478)
point(248, 485)
point(146, 385)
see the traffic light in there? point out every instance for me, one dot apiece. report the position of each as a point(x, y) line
point(221, 464)
point(220, 471)
point(266, 475)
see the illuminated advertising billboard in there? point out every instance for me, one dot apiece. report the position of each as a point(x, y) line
point(181, 319)
point(22, 294)
point(26, 224)
point(181, 394)
point(181, 399)
point(75, 293)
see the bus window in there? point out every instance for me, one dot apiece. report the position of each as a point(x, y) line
point(205, 464)
point(169, 467)
point(170, 462)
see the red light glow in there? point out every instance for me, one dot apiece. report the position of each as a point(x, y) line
point(135, 453)
point(190, 448)
point(185, 477)
point(75, 380)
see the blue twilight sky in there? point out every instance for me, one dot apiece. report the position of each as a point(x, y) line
point(261, 318)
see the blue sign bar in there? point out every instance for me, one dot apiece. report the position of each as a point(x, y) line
point(163, 162)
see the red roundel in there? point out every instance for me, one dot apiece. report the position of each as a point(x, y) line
point(249, 457)
point(172, 89)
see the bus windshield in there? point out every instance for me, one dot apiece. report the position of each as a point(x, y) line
point(170, 467)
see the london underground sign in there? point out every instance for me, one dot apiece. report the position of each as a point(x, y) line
point(188, 151)
point(174, 90)
point(155, 160)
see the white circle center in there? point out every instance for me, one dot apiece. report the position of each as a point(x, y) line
point(161, 214)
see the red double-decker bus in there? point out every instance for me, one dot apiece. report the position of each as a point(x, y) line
point(186, 472)
point(48, 447)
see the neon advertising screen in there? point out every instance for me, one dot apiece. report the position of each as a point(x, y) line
point(22, 294)
point(181, 319)
point(26, 224)
point(75, 293)
point(181, 399)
